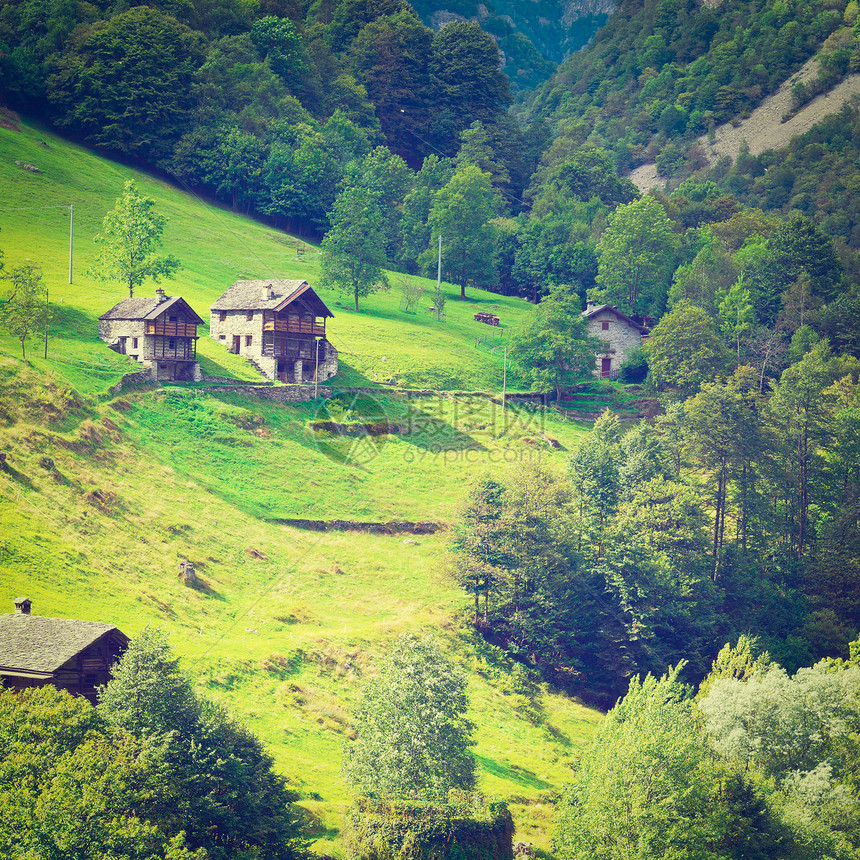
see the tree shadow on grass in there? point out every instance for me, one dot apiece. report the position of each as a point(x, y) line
point(74, 323)
point(19, 477)
point(512, 773)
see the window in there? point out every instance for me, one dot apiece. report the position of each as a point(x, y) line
point(249, 315)
point(172, 318)
point(604, 326)
point(134, 343)
point(222, 317)
point(171, 344)
point(222, 337)
point(248, 339)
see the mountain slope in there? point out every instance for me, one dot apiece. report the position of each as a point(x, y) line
point(532, 36)
point(102, 496)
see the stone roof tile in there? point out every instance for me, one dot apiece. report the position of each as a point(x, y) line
point(33, 643)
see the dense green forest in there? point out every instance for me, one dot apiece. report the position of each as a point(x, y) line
point(731, 515)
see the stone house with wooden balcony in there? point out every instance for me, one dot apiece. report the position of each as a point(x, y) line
point(279, 326)
point(620, 334)
point(159, 332)
point(73, 655)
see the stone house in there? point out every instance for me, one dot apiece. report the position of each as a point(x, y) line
point(73, 655)
point(621, 335)
point(159, 332)
point(279, 326)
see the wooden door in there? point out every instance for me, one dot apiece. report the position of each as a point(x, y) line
point(237, 342)
point(605, 366)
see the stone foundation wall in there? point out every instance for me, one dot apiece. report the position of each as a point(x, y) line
point(328, 367)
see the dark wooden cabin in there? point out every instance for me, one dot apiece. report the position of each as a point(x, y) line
point(73, 655)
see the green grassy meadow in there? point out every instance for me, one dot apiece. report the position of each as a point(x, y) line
point(102, 497)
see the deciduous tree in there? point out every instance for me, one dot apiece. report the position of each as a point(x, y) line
point(25, 309)
point(126, 83)
point(225, 793)
point(353, 251)
point(684, 350)
point(647, 786)
point(636, 256)
point(413, 733)
point(130, 238)
point(552, 345)
point(461, 213)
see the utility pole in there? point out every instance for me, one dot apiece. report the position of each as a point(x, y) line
point(47, 312)
point(71, 238)
point(504, 389)
point(439, 282)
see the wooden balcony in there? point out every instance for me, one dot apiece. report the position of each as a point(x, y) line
point(278, 351)
point(296, 325)
point(171, 329)
point(161, 349)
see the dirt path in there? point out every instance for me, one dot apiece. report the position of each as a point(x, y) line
point(764, 128)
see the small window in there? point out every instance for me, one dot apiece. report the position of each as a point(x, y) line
point(222, 317)
point(171, 344)
point(248, 339)
point(222, 337)
point(134, 343)
point(172, 318)
point(604, 326)
point(250, 315)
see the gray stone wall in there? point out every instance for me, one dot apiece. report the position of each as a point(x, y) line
point(112, 331)
point(328, 368)
point(130, 380)
point(278, 393)
point(621, 339)
point(237, 324)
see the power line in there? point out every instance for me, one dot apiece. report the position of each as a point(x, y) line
point(34, 208)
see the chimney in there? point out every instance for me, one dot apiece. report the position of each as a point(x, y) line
point(159, 294)
point(268, 293)
point(22, 605)
point(589, 306)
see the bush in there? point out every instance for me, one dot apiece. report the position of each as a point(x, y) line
point(467, 826)
point(634, 370)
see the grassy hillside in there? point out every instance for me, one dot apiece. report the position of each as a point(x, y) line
point(102, 497)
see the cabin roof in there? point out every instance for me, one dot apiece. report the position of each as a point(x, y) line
point(597, 309)
point(149, 308)
point(251, 296)
point(37, 646)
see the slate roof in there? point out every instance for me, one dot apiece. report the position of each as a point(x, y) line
point(593, 312)
point(33, 644)
point(250, 296)
point(147, 309)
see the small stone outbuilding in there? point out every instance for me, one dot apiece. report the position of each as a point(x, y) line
point(160, 332)
point(73, 655)
point(279, 326)
point(621, 336)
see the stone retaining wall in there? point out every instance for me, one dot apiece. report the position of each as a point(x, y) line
point(278, 393)
point(390, 528)
point(130, 380)
point(232, 381)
